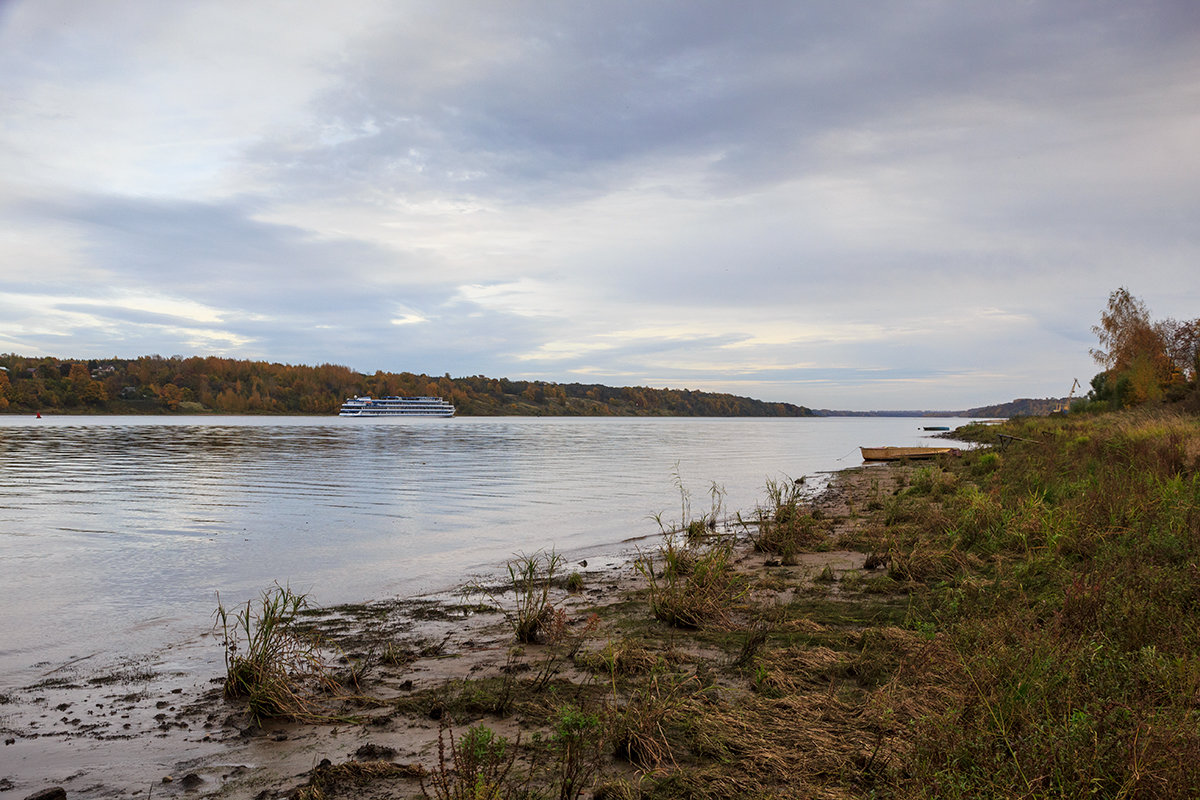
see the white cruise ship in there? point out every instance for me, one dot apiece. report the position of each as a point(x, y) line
point(396, 407)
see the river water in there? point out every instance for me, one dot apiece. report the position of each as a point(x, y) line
point(117, 533)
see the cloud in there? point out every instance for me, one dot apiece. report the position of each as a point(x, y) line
point(835, 204)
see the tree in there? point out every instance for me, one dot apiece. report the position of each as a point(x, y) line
point(1141, 358)
point(1125, 332)
point(171, 396)
point(79, 375)
point(1182, 343)
point(93, 393)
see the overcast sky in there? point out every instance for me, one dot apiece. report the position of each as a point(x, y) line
point(843, 205)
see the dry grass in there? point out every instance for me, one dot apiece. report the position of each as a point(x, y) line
point(625, 657)
point(639, 727)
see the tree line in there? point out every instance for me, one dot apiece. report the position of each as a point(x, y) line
point(155, 384)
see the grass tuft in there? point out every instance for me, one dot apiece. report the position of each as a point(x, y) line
point(277, 670)
point(695, 586)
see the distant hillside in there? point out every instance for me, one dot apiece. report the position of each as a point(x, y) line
point(153, 384)
point(1024, 407)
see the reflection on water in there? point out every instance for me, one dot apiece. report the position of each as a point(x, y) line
point(117, 532)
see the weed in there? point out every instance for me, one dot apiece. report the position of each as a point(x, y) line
point(478, 767)
point(574, 582)
point(530, 578)
point(781, 526)
point(564, 646)
point(268, 663)
point(577, 745)
point(697, 529)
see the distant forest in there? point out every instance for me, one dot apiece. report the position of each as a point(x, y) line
point(197, 385)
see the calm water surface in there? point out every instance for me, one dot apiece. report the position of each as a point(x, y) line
point(116, 533)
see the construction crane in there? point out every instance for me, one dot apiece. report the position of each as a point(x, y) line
point(1066, 405)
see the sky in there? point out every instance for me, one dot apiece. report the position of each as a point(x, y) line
point(885, 205)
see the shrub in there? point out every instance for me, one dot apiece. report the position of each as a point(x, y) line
point(478, 768)
point(577, 745)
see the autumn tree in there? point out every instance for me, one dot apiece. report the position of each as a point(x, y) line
point(171, 396)
point(1142, 359)
point(79, 375)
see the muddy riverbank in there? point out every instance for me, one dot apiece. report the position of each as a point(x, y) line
point(404, 674)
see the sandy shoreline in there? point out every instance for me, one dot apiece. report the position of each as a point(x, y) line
point(152, 729)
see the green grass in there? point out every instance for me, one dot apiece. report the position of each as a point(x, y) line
point(1070, 612)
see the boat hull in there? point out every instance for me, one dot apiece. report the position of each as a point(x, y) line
point(901, 453)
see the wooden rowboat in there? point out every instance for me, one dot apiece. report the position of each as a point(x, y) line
point(898, 453)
